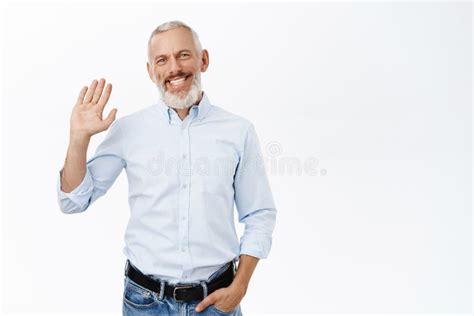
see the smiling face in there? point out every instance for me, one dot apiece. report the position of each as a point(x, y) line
point(174, 65)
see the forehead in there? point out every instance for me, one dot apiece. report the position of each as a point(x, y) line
point(171, 41)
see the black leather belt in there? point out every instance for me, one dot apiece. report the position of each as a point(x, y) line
point(181, 292)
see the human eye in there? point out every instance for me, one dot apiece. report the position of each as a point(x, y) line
point(160, 60)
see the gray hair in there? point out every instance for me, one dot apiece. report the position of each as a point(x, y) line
point(173, 25)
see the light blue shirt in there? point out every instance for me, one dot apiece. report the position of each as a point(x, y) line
point(183, 179)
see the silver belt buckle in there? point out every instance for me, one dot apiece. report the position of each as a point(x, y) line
point(180, 287)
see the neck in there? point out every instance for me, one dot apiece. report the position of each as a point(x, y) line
point(182, 113)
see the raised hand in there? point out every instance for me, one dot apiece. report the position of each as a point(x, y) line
point(86, 118)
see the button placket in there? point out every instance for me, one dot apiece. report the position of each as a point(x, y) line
point(184, 176)
point(185, 180)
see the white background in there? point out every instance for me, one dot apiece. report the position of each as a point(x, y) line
point(378, 93)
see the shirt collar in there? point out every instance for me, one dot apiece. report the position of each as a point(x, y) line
point(200, 110)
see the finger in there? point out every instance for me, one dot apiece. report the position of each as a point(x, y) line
point(82, 93)
point(105, 97)
point(90, 92)
point(98, 91)
point(209, 300)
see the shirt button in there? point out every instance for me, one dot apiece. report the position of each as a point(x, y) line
point(183, 249)
point(184, 156)
point(184, 186)
point(183, 218)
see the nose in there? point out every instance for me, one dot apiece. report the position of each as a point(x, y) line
point(175, 67)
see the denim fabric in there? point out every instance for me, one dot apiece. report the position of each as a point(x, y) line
point(138, 300)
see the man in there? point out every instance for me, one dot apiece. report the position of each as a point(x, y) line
point(187, 162)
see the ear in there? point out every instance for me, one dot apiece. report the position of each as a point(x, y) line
point(204, 60)
point(150, 71)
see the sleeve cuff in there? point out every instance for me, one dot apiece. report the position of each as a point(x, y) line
point(79, 197)
point(257, 245)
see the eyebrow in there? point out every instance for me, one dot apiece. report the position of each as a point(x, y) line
point(163, 55)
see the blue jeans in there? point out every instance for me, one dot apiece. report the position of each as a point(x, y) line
point(138, 300)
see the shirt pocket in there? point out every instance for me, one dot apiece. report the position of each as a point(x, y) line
point(216, 164)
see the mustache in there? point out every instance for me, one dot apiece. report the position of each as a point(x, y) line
point(181, 74)
point(161, 84)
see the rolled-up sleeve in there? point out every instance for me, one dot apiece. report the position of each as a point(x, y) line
point(253, 199)
point(102, 169)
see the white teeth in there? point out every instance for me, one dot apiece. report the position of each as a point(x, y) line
point(178, 81)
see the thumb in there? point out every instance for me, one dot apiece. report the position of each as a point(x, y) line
point(205, 303)
point(111, 117)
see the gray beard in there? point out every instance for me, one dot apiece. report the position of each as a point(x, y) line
point(176, 101)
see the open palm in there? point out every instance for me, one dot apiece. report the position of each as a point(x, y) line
point(86, 117)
